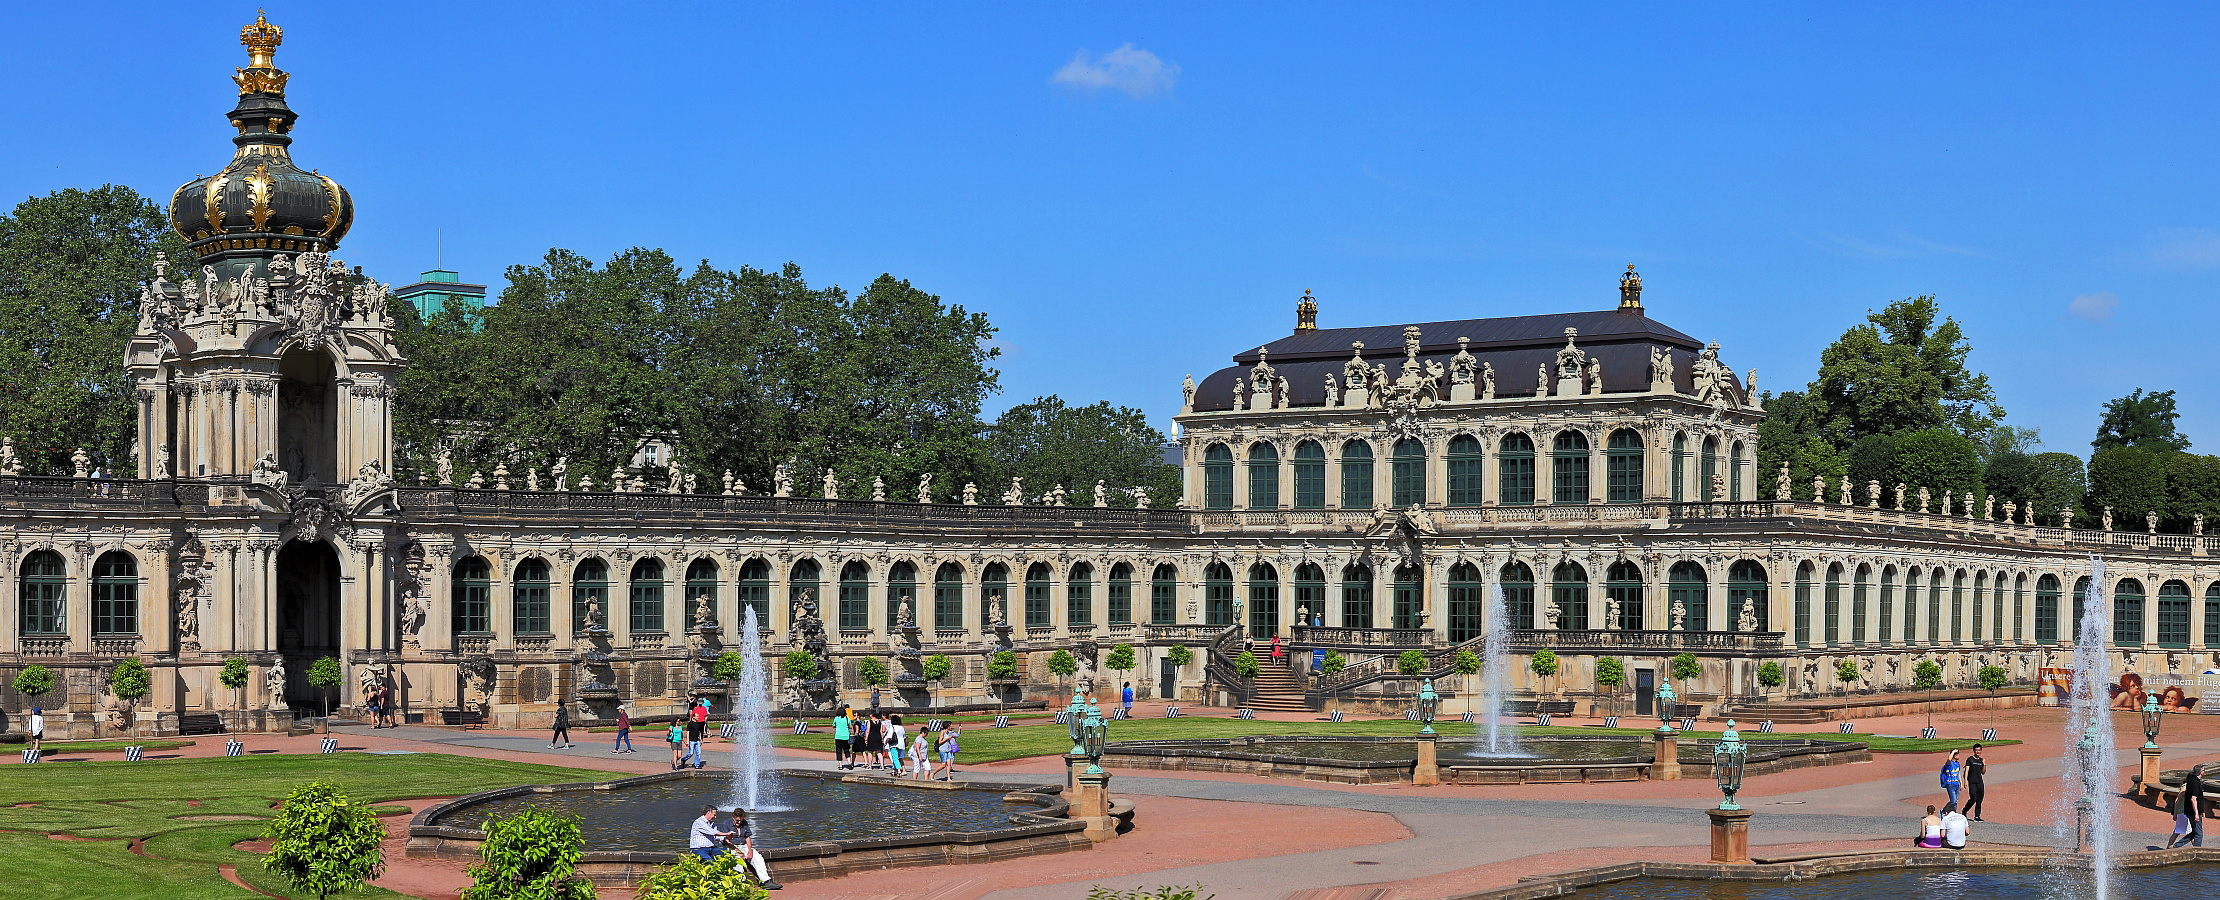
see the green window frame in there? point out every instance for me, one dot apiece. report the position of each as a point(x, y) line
point(1356, 475)
point(1709, 467)
point(589, 587)
point(1934, 606)
point(1040, 586)
point(901, 582)
point(2127, 613)
point(1410, 596)
point(1832, 626)
point(1568, 588)
point(1734, 472)
point(994, 587)
point(1408, 472)
point(1687, 584)
point(2212, 616)
point(1164, 595)
point(755, 593)
point(1746, 583)
point(1218, 595)
point(644, 599)
point(1514, 467)
point(2046, 609)
point(473, 596)
point(1079, 595)
point(1121, 594)
point(1309, 594)
point(1356, 597)
point(1888, 601)
point(701, 581)
point(1264, 476)
point(1957, 607)
point(1623, 583)
point(1858, 586)
point(855, 596)
point(1622, 467)
point(1467, 603)
point(1518, 594)
point(1264, 601)
point(1568, 468)
point(1217, 477)
point(2080, 605)
point(1803, 604)
point(2173, 614)
point(1680, 468)
point(1980, 584)
point(115, 594)
point(1310, 476)
point(529, 609)
point(1466, 471)
point(948, 597)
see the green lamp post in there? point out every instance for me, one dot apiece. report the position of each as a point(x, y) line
point(2150, 721)
point(1428, 703)
point(1727, 759)
point(1093, 735)
point(1074, 716)
point(1665, 702)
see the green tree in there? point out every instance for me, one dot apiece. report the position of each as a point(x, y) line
point(1245, 664)
point(1993, 678)
point(34, 681)
point(1610, 673)
point(1793, 420)
point(1334, 662)
point(1941, 461)
point(936, 667)
point(1927, 675)
point(324, 674)
point(532, 855)
point(1465, 662)
point(721, 877)
point(1410, 662)
point(72, 264)
point(1815, 457)
point(1179, 655)
point(1047, 443)
point(324, 844)
point(1062, 664)
point(1846, 671)
point(2131, 480)
point(2009, 439)
point(234, 674)
point(729, 666)
point(1687, 668)
point(129, 681)
point(1002, 665)
point(2047, 482)
point(872, 671)
point(1770, 675)
point(1902, 371)
point(2192, 490)
point(1873, 458)
point(800, 665)
point(2141, 420)
point(1544, 663)
point(1120, 659)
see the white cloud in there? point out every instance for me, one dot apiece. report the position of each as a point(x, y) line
point(1131, 69)
point(2095, 307)
point(2186, 248)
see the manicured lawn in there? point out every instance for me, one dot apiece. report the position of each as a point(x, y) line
point(109, 804)
point(983, 744)
point(825, 722)
point(54, 748)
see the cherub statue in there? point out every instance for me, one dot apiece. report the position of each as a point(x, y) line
point(925, 488)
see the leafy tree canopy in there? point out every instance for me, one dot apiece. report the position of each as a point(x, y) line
point(2131, 480)
point(324, 843)
point(2141, 420)
point(1048, 442)
point(1903, 371)
point(1935, 459)
point(2049, 482)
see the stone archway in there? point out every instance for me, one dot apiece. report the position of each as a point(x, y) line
point(308, 617)
point(308, 413)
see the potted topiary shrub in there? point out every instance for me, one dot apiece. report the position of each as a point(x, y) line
point(1770, 676)
point(129, 683)
point(1544, 665)
point(1927, 676)
point(1610, 676)
point(324, 675)
point(1846, 674)
point(872, 671)
point(234, 676)
point(1062, 665)
point(1993, 679)
point(1410, 662)
point(1002, 668)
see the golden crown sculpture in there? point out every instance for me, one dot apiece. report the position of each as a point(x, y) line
point(261, 74)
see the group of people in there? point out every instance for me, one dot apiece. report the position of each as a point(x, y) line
point(707, 841)
point(877, 740)
point(685, 734)
point(381, 707)
point(1948, 829)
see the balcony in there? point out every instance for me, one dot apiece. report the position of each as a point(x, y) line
point(1182, 634)
point(534, 643)
point(575, 506)
point(115, 644)
point(473, 644)
point(43, 646)
point(1644, 641)
point(1362, 638)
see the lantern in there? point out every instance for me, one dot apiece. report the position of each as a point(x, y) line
point(1428, 703)
point(1726, 764)
point(1074, 716)
point(1094, 734)
point(2150, 721)
point(1666, 699)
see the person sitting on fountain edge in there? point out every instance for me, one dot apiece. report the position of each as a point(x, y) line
point(1954, 828)
point(749, 856)
point(703, 839)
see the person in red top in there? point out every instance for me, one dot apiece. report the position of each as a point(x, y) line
point(624, 731)
point(697, 720)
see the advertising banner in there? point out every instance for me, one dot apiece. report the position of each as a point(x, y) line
point(2194, 693)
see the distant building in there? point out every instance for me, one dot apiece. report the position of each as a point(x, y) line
point(430, 295)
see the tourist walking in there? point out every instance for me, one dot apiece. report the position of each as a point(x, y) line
point(921, 755)
point(38, 730)
point(1126, 695)
point(1930, 830)
point(2189, 811)
point(894, 738)
point(843, 732)
point(677, 738)
point(874, 701)
point(624, 731)
point(697, 722)
point(385, 708)
point(1954, 828)
point(703, 839)
point(744, 833)
point(1975, 768)
point(1952, 772)
point(874, 740)
point(948, 748)
point(562, 729)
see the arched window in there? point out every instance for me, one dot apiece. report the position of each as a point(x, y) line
point(1623, 467)
point(1996, 606)
point(994, 593)
point(1935, 578)
point(1709, 468)
point(901, 584)
point(1164, 595)
point(1356, 597)
point(115, 594)
point(1264, 476)
point(948, 597)
point(1465, 471)
point(1410, 596)
point(44, 585)
point(1217, 477)
point(1468, 603)
point(1680, 468)
point(1887, 605)
point(1264, 601)
point(1079, 595)
point(1958, 607)
point(2046, 609)
point(528, 598)
point(1622, 583)
point(2019, 609)
point(1746, 587)
point(2212, 616)
point(1568, 467)
point(1980, 583)
point(1218, 595)
point(1568, 588)
point(1688, 597)
point(1310, 594)
point(1039, 586)
point(1734, 472)
point(2173, 614)
point(1356, 475)
point(647, 594)
point(1518, 594)
point(473, 596)
point(801, 581)
point(1310, 476)
point(1514, 466)
point(1911, 604)
point(1833, 627)
point(855, 596)
point(2080, 605)
point(589, 595)
point(1121, 594)
point(1857, 605)
point(1802, 604)
point(2127, 613)
point(701, 584)
point(1409, 473)
point(755, 592)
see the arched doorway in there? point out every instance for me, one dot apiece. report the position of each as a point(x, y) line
point(307, 617)
point(308, 426)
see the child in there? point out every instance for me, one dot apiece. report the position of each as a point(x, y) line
point(677, 738)
point(894, 737)
point(921, 755)
point(948, 748)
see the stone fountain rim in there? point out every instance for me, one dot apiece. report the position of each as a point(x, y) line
point(1559, 884)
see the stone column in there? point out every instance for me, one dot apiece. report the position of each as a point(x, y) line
point(1491, 472)
point(2151, 770)
point(77, 607)
point(1437, 472)
point(1717, 617)
point(1665, 745)
point(1333, 473)
point(1730, 835)
point(1427, 773)
point(1092, 805)
point(499, 600)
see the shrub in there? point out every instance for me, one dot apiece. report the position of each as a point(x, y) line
point(1927, 675)
point(1846, 671)
point(1687, 668)
point(322, 843)
point(936, 667)
point(690, 878)
point(1769, 674)
point(1120, 659)
point(129, 681)
point(1544, 662)
point(728, 666)
point(872, 670)
point(1062, 664)
point(234, 673)
point(1179, 655)
point(800, 665)
point(1465, 662)
point(1333, 663)
point(34, 681)
point(1993, 678)
point(1411, 662)
point(1003, 664)
point(532, 854)
point(1610, 672)
point(1246, 665)
point(324, 673)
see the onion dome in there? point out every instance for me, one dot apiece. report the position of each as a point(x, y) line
point(261, 203)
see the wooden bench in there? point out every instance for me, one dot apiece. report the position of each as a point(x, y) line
point(468, 718)
point(200, 723)
point(1530, 708)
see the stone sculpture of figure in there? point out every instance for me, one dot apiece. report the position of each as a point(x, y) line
point(1463, 369)
point(1187, 392)
point(971, 493)
point(1595, 375)
point(1611, 613)
point(728, 482)
point(1102, 494)
point(1781, 484)
point(1015, 496)
point(678, 475)
point(2108, 518)
point(112, 708)
point(907, 618)
point(1945, 503)
point(1747, 620)
point(1238, 395)
point(80, 463)
point(830, 485)
point(996, 618)
point(925, 488)
point(560, 469)
point(1260, 379)
point(1873, 494)
point(1356, 371)
point(1286, 396)
point(1679, 614)
point(368, 679)
point(445, 466)
point(1718, 486)
point(1900, 496)
point(188, 618)
point(1988, 507)
point(703, 614)
point(532, 479)
point(1923, 500)
point(593, 612)
point(1541, 379)
point(1376, 387)
point(1845, 490)
point(2150, 520)
point(1487, 381)
point(1819, 489)
point(782, 481)
point(1749, 384)
point(273, 680)
point(2197, 525)
point(878, 489)
point(267, 473)
point(1333, 392)
point(8, 463)
point(1710, 377)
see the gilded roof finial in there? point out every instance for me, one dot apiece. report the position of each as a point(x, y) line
point(1630, 290)
point(1306, 313)
point(261, 74)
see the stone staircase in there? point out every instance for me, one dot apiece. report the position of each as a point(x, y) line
point(1780, 714)
point(1277, 689)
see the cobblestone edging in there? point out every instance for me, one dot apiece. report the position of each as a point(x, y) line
point(1228, 757)
point(1804, 868)
point(1045, 829)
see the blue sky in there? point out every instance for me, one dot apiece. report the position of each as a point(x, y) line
point(1133, 192)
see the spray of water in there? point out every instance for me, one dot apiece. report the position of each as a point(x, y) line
point(1495, 672)
point(2084, 816)
point(751, 789)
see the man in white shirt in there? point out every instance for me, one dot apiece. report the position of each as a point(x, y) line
point(704, 840)
point(1954, 828)
point(38, 729)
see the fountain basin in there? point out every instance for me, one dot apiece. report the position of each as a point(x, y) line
point(834, 825)
point(2001, 874)
point(1540, 759)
